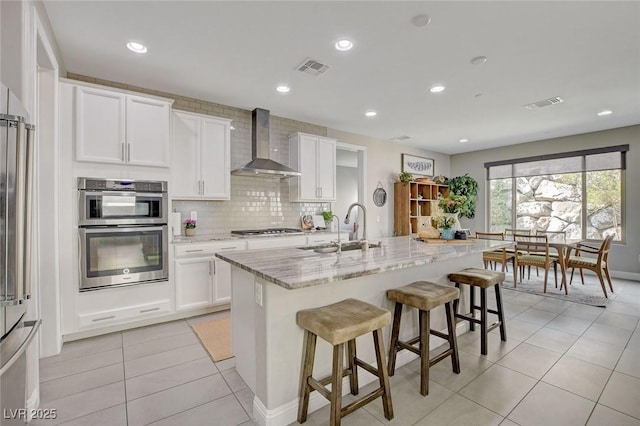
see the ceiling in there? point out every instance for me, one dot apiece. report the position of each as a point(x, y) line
point(236, 53)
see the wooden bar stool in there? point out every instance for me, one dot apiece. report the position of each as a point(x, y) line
point(338, 324)
point(483, 279)
point(424, 296)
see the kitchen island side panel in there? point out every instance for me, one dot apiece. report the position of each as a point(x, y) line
point(279, 340)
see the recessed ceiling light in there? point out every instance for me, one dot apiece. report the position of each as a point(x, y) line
point(463, 140)
point(420, 20)
point(343, 45)
point(137, 47)
point(437, 88)
point(605, 112)
point(283, 88)
point(479, 60)
point(370, 113)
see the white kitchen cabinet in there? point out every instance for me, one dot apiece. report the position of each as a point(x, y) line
point(276, 242)
point(201, 157)
point(315, 158)
point(119, 128)
point(194, 283)
point(201, 279)
point(326, 238)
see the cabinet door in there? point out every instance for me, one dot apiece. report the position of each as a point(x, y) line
point(99, 125)
point(194, 279)
point(215, 159)
point(222, 282)
point(326, 169)
point(186, 156)
point(309, 189)
point(148, 127)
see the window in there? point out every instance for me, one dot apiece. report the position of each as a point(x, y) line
point(578, 193)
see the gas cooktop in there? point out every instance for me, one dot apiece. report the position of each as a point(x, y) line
point(267, 232)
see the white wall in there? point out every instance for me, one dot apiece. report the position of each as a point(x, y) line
point(624, 256)
point(383, 165)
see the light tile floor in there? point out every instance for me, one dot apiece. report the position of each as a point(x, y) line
point(563, 364)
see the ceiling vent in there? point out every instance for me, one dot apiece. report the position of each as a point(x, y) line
point(401, 138)
point(551, 101)
point(313, 67)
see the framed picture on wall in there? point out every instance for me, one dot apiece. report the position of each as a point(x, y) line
point(418, 165)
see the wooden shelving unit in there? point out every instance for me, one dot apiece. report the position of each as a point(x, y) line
point(414, 200)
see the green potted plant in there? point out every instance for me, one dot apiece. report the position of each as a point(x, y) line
point(328, 219)
point(190, 227)
point(405, 178)
point(468, 187)
point(445, 224)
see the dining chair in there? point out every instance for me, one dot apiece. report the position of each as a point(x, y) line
point(532, 250)
point(554, 236)
point(598, 263)
point(495, 256)
point(510, 232)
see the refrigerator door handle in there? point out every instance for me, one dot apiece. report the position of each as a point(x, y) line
point(21, 191)
point(35, 325)
point(28, 211)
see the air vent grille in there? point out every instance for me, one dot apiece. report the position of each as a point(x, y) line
point(312, 66)
point(547, 102)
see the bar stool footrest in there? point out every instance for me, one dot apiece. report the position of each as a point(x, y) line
point(348, 409)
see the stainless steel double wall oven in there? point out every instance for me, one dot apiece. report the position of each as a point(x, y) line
point(122, 227)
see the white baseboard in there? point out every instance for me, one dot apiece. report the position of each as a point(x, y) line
point(633, 276)
point(288, 413)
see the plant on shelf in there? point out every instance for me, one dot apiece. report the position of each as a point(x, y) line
point(444, 222)
point(468, 187)
point(190, 224)
point(405, 178)
point(453, 203)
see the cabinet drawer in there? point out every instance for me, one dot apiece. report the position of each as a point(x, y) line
point(97, 319)
point(276, 242)
point(325, 238)
point(203, 249)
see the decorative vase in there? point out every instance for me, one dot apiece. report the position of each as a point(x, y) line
point(447, 234)
point(189, 232)
point(456, 226)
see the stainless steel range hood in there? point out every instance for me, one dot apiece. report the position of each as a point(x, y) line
point(261, 165)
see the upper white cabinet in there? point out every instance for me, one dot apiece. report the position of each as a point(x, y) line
point(315, 158)
point(201, 157)
point(120, 128)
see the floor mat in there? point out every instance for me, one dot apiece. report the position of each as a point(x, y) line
point(589, 294)
point(215, 335)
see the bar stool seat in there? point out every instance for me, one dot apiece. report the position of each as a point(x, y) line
point(424, 296)
point(483, 279)
point(341, 323)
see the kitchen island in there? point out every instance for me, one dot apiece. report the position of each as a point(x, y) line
point(270, 286)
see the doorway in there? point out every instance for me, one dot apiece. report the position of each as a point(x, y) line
point(351, 172)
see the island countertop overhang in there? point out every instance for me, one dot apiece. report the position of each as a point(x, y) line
point(294, 268)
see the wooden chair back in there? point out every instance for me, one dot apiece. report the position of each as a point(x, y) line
point(554, 236)
point(532, 244)
point(510, 232)
point(490, 236)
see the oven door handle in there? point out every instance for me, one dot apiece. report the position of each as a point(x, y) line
point(125, 194)
point(121, 229)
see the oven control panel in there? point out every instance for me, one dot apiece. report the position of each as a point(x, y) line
point(121, 185)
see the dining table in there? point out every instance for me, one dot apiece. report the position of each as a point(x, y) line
point(563, 249)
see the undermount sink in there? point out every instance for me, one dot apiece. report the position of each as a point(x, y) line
point(331, 248)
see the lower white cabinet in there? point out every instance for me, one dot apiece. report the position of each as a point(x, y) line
point(201, 279)
point(123, 314)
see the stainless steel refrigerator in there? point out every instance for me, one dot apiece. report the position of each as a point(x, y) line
point(16, 181)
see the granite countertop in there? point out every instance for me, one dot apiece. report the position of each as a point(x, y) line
point(205, 238)
point(294, 268)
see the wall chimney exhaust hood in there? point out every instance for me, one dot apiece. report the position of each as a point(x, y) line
point(261, 165)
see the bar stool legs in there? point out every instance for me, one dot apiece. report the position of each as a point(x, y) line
point(482, 279)
point(424, 296)
point(339, 324)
